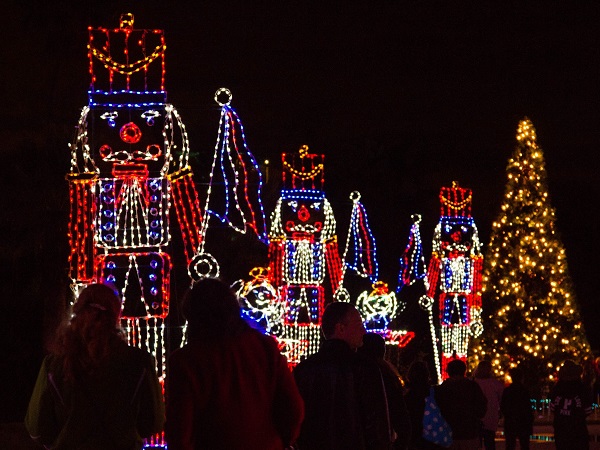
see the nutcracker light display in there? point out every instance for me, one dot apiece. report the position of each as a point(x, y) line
point(378, 306)
point(234, 196)
point(303, 250)
point(454, 274)
point(261, 304)
point(360, 254)
point(129, 164)
point(413, 286)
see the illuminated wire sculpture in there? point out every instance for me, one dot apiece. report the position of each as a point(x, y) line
point(303, 250)
point(454, 274)
point(129, 164)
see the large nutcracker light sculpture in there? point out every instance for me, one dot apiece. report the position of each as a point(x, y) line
point(303, 249)
point(129, 165)
point(454, 274)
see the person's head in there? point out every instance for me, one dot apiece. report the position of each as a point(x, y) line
point(373, 345)
point(456, 368)
point(211, 309)
point(570, 371)
point(100, 302)
point(418, 374)
point(484, 369)
point(342, 321)
point(93, 331)
point(517, 375)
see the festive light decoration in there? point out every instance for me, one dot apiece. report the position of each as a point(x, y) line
point(260, 302)
point(412, 261)
point(412, 269)
point(287, 299)
point(455, 272)
point(235, 178)
point(238, 174)
point(129, 164)
point(528, 291)
point(378, 307)
point(360, 243)
point(303, 249)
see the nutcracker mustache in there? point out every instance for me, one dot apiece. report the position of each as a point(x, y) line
point(305, 228)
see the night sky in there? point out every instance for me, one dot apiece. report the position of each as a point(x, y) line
point(401, 97)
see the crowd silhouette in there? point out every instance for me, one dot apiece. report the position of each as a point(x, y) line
point(229, 387)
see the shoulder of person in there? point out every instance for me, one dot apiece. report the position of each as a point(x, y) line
point(52, 363)
point(319, 361)
point(138, 355)
point(498, 385)
point(266, 339)
point(304, 366)
point(474, 385)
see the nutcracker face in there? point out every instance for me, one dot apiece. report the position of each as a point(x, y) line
point(127, 140)
point(456, 235)
point(303, 214)
point(127, 146)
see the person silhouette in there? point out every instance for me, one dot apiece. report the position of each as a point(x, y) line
point(93, 390)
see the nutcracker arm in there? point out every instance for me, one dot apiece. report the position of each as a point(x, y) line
point(187, 208)
point(81, 227)
point(477, 275)
point(334, 263)
point(276, 254)
point(433, 275)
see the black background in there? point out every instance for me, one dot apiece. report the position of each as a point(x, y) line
point(401, 97)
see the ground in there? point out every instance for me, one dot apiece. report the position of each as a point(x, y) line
point(14, 436)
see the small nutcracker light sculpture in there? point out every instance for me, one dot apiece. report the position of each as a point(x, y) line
point(378, 307)
point(454, 274)
point(303, 249)
point(260, 302)
point(129, 164)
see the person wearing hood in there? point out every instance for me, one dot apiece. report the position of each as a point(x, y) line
point(570, 403)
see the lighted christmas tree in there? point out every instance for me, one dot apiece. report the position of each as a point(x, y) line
point(531, 314)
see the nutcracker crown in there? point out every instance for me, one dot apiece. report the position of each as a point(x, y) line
point(455, 201)
point(126, 65)
point(303, 171)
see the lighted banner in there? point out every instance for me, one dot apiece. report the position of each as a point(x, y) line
point(379, 306)
point(234, 195)
point(413, 273)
